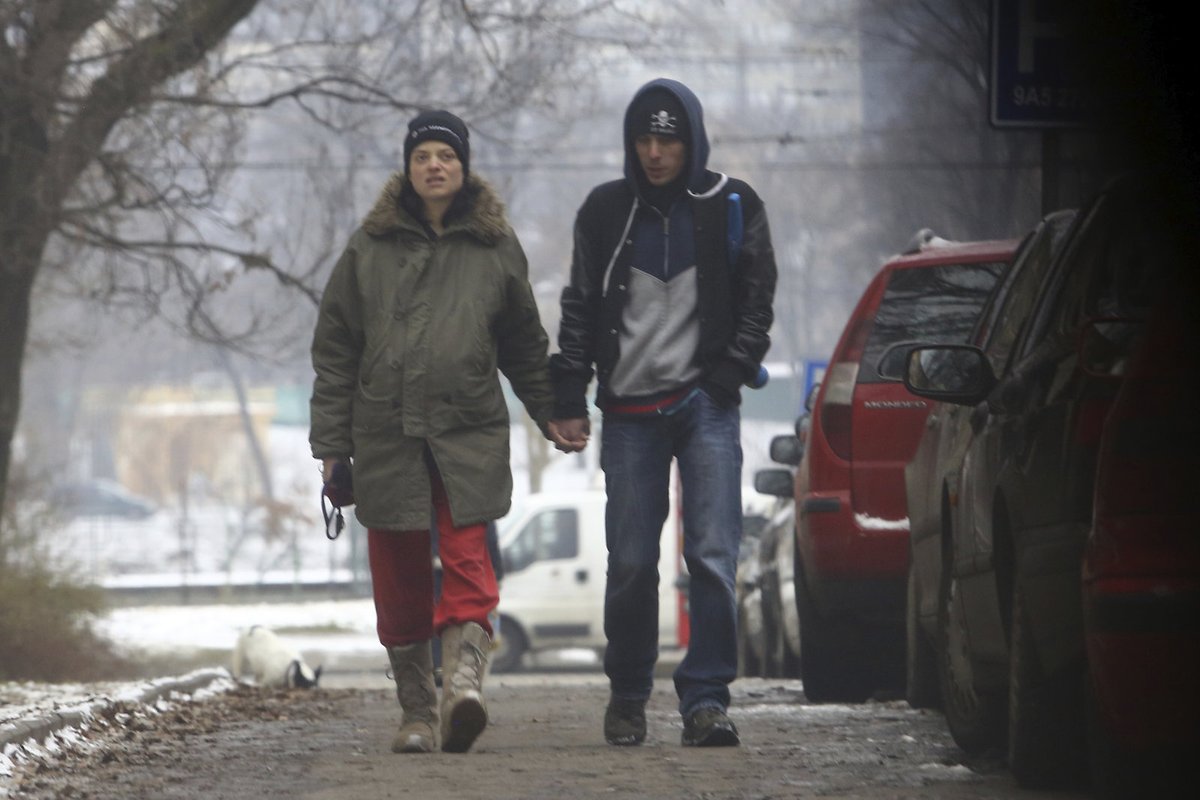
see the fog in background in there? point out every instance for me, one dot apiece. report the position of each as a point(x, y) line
point(857, 122)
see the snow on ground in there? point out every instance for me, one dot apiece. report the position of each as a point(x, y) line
point(347, 627)
point(335, 633)
point(39, 721)
point(215, 543)
point(325, 624)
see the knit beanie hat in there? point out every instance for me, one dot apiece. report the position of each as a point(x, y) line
point(441, 126)
point(660, 112)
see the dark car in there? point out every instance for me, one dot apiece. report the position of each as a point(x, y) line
point(1141, 571)
point(1016, 535)
point(748, 594)
point(101, 498)
point(768, 626)
point(778, 628)
point(851, 556)
point(931, 487)
point(758, 509)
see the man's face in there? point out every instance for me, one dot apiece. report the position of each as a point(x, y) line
point(435, 171)
point(661, 157)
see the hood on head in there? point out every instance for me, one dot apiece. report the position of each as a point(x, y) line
point(697, 140)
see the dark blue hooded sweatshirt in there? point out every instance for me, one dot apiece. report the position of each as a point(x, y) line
point(660, 328)
point(657, 299)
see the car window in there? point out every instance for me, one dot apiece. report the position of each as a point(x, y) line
point(1046, 301)
point(1013, 301)
point(552, 534)
point(1108, 272)
point(931, 304)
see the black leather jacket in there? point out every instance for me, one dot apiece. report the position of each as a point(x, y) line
point(734, 298)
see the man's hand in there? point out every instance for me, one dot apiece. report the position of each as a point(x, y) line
point(570, 435)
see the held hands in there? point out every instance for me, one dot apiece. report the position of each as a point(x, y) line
point(570, 435)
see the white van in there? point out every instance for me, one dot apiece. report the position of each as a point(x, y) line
point(555, 565)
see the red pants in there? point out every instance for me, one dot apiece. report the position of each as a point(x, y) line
point(402, 577)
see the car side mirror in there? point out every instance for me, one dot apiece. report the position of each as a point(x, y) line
point(802, 427)
point(786, 449)
point(774, 482)
point(953, 373)
point(810, 401)
point(892, 362)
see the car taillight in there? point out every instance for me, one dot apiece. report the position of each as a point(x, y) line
point(836, 407)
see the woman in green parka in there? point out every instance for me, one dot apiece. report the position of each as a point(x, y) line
point(429, 301)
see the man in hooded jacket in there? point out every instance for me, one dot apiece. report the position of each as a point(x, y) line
point(669, 306)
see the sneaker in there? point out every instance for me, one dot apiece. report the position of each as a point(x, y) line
point(709, 727)
point(625, 722)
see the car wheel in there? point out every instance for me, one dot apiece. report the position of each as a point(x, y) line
point(1045, 713)
point(789, 663)
point(920, 662)
point(772, 635)
point(975, 718)
point(831, 671)
point(748, 662)
point(789, 623)
point(511, 647)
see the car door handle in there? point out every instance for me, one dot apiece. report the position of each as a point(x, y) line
point(581, 576)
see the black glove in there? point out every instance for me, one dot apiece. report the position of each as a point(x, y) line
point(340, 486)
point(339, 491)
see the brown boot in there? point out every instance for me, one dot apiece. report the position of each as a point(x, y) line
point(412, 669)
point(465, 651)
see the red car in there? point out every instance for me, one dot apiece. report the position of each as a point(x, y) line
point(851, 518)
point(1141, 574)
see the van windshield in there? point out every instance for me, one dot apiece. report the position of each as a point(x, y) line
point(927, 304)
point(551, 535)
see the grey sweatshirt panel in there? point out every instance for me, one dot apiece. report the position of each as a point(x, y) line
point(659, 336)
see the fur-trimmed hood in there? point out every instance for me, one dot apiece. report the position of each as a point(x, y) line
point(485, 219)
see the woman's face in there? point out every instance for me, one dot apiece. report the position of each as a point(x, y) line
point(435, 171)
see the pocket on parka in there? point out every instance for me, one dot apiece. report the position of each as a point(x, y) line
point(372, 416)
point(378, 381)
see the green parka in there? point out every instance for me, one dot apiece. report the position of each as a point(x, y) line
point(409, 338)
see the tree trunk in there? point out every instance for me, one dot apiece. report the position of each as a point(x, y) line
point(16, 285)
point(38, 170)
point(257, 454)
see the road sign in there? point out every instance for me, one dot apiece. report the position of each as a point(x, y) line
point(1036, 79)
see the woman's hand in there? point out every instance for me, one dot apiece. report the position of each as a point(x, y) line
point(570, 435)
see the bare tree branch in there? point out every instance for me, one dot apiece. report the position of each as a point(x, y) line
point(187, 34)
point(122, 124)
point(250, 260)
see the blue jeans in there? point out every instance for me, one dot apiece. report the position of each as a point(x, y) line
point(636, 455)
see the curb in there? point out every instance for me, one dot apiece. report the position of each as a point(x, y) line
point(41, 728)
